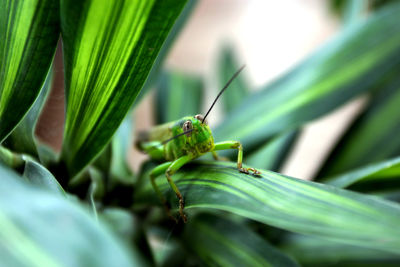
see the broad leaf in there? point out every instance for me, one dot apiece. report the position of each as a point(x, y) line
point(386, 171)
point(311, 251)
point(109, 49)
point(373, 136)
point(352, 63)
point(32, 219)
point(29, 32)
point(220, 242)
point(288, 203)
point(178, 95)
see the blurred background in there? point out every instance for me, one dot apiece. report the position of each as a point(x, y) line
point(270, 37)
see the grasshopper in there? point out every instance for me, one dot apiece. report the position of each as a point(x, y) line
point(178, 142)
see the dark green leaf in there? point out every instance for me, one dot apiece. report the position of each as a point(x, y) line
point(318, 252)
point(109, 49)
point(386, 170)
point(178, 95)
point(352, 63)
point(220, 242)
point(288, 203)
point(373, 136)
point(29, 32)
point(22, 139)
point(39, 228)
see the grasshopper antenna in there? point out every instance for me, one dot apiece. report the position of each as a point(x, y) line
point(223, 89)
point(176, 136)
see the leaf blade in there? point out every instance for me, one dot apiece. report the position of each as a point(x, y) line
point(107, 62)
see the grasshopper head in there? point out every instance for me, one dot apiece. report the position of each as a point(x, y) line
point(200, 138)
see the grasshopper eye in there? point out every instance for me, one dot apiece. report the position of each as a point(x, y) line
point(186, 127)
point(200, 118)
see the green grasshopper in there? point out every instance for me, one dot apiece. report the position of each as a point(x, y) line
point(178, 142)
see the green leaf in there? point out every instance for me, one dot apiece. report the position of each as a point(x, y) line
point(351, 64)
point(310, 251)
point(29, 32)
point(39, 228)
point(272, 155)
point(388, 171)
point(221, 242)
point(373, 136)
point(22, 139)
point(237, 89)
point(178, 95)
point(40, 176)
point(288, 203)
point(109, 49)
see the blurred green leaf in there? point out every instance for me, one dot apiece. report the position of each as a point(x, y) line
point(272, 155)
point(107, 61)
point(311, 251)
point(291, 204)
point(22, 139)
point(238, 88)
point(32, 219)
point(178, 95)
point(40, 176)
point(220, 242)
point(373, 136)
point(386, 170)
point(352, 63)
point(29, 32)
point(174, 33)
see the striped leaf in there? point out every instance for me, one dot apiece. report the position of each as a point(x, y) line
point(311, 251)
point(109, 49)
point(178, 95)
point(374, 176)
point(220, 242)
point(29, 32)
point(287, 203)
point(40, 228)
point(352, 63)
point(373, 136)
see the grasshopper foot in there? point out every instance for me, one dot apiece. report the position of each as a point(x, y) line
point(247, 171)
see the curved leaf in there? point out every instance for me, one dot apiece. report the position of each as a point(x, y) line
point(350, 64)
point(22, 139)
point(221, 242)
point(310, 251)
point(373, 172)
point(29, 32)
point(288, 203)
point(373, 136)
point(109, 49)
point(39, 228)
point(39, 175)
point(178, 95)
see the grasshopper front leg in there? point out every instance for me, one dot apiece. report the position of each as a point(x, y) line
point(235, 145)
point(170, 168)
